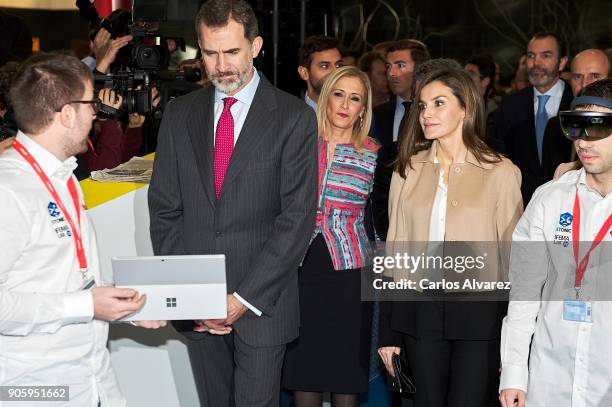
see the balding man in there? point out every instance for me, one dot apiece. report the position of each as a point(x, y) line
point(587, 67)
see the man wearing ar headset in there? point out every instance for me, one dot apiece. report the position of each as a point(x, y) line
point(555, 346)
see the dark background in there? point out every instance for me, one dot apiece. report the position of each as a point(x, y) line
point(450, 28)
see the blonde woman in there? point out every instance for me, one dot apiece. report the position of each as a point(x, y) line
point(332, 352)
point(449, 186)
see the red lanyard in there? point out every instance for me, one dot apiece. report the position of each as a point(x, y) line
point(581, 265)
point(76, 232)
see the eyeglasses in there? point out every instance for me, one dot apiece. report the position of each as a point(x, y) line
point(584, 125)
point(95, 103)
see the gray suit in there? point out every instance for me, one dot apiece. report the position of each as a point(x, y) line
point(262, 222)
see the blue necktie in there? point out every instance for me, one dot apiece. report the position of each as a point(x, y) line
point(541, 120)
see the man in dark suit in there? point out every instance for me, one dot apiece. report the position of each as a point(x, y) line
point(236, 173)
point(401, 59)
point(319, 56)
point(520, 122)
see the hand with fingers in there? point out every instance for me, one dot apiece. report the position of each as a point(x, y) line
point(151, 324)
point(212, 326)
point(104, 63)
point(512, 398)
point(110, 98)
point(100, 44)
point(112, 304)
point(386, 353)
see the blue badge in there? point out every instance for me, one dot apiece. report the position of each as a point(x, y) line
point(53, 210)
point(566, 219)
point(579, 311)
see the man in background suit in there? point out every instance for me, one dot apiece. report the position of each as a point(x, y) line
point(520, 122)
point(401, 59)
point(236, 173)
point(319, 56)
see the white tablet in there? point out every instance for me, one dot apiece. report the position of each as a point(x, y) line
point(177, 287)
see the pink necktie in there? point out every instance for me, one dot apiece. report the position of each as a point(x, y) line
point(224, 143)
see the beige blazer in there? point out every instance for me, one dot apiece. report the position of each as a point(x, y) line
point(483, 203)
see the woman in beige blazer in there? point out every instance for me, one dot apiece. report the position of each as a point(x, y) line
point(449, 186)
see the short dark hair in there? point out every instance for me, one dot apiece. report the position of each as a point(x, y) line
point(367, 59)
point(486, 68)
point(7, 75)
point(560, 44)
point(312, 44)
point(217, 13)
point(44, 83)
point(418, 50)
point(601, 89)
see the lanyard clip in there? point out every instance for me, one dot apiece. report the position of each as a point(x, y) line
point(577, 289)
point(83, 273)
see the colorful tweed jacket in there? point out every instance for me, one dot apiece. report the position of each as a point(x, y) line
point(344, 189)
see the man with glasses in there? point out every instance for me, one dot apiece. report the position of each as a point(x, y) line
point(53, 304)
point(555, 346)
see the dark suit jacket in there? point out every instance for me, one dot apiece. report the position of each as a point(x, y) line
point(383, 122)
point(513, 134)
point(265, 214)
point(380, 190)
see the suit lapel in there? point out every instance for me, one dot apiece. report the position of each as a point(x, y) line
point(200, 130)
point(258, 123)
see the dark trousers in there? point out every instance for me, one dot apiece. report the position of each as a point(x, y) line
point(229, 372)
point(453, 373)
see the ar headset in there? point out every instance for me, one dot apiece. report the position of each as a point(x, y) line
point(585, 125)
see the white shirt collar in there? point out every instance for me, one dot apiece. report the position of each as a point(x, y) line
point(246, 94)
point(555, 91)
point(50, 164)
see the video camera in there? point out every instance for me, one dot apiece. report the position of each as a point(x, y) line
point(141, 65)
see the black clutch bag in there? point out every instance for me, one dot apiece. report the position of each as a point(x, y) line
point(401, 382)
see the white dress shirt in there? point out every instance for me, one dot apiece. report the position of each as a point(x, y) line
point(47, 332)
point(437, 222)
point(399, 115)
point(239, 111)
point(552, 106)
point(570, 363)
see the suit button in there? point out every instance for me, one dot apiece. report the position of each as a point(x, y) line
point(454, 203)
point(457, 170)
point(218, 234)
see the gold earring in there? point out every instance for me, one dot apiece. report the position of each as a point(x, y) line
point(360, 122)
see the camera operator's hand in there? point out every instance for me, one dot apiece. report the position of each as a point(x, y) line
point(100, 44)
point(103, 65)
point(110, 98)
point(137, 120)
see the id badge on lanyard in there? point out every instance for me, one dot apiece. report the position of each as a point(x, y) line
point(576, 309)
point(88, 281)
